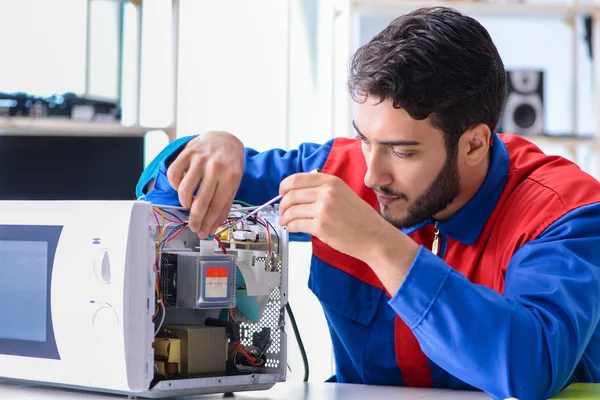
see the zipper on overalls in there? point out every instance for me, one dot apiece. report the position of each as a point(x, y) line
point(435, 247)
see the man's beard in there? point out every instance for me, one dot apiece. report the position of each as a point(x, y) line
point(440, 194)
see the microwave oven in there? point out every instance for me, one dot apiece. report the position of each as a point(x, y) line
point(121, 297)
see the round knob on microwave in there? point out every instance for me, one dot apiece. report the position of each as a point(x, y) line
point(104, 320)
point(102, 266)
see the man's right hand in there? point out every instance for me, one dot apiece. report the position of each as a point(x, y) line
point(213, 163)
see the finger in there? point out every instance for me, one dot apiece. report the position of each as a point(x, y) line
point(189, 184)
point(177, 170)
point(298, 196)
point(201, 203)
point(302, 180)
point(221, 219)
point(224, 216)
point(302, 226)
point(222, 198)
point(298, 211)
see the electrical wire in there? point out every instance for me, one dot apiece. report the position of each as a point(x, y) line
point(165, 207)
point(299, 340)
point(221, 245)
point(244, 203)
point(162, 318)
point(238, 347)
point(287, 307)
point(264, 222)
point(161, 225)
point(254, 212)
point(178, 228)
point(276, 235)
point(173, 215)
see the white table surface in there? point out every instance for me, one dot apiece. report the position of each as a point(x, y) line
point(281, 391)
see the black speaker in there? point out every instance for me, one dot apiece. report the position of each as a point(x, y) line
point(524, 109)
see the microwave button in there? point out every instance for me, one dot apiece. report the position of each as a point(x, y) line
point(104, 320)
point(102, 266)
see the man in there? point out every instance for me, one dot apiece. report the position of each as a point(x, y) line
point(484, 271)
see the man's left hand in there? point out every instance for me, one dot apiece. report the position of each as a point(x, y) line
point(324, 206)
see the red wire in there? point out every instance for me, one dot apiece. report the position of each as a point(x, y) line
point(177, 232)
point(221, 245)
point(238, 346)
point(232, 222)
point(251, 359)
point(166, 219)
point(156, 218)
point(159, 291)
point(268, 231)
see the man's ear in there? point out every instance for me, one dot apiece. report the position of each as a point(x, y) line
point(474, 144)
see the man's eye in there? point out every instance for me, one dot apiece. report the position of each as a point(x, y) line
point(402, 154)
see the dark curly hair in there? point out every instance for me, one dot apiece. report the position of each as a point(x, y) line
point(434, 62)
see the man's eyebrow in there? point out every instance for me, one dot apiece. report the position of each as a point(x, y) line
point(388, 142)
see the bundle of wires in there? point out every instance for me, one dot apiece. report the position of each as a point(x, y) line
point(177, 226)
point(254, 361)
point(288, 308)
point(232, 221)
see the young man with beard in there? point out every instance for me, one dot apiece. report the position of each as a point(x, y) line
point(484, 271)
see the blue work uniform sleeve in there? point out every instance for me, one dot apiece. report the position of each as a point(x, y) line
point(263, 172)
point(527, 342)
point(156, 172)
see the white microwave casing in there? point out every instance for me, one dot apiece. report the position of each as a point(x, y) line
point(102, 338)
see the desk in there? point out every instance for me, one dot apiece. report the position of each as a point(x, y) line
point(281, 391)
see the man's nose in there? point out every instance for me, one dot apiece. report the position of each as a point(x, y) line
point(378, 171)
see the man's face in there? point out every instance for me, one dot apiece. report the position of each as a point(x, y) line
point(407, 163)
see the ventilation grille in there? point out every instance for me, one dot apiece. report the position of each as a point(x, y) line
point(272, 318)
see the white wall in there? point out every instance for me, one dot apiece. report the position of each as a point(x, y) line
point(156, 95)
point(43, 55)
point(233, 69)
point(104, 52)
point(44, 47)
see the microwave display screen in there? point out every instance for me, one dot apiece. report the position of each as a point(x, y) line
point(27, 257)
point(23, 286)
